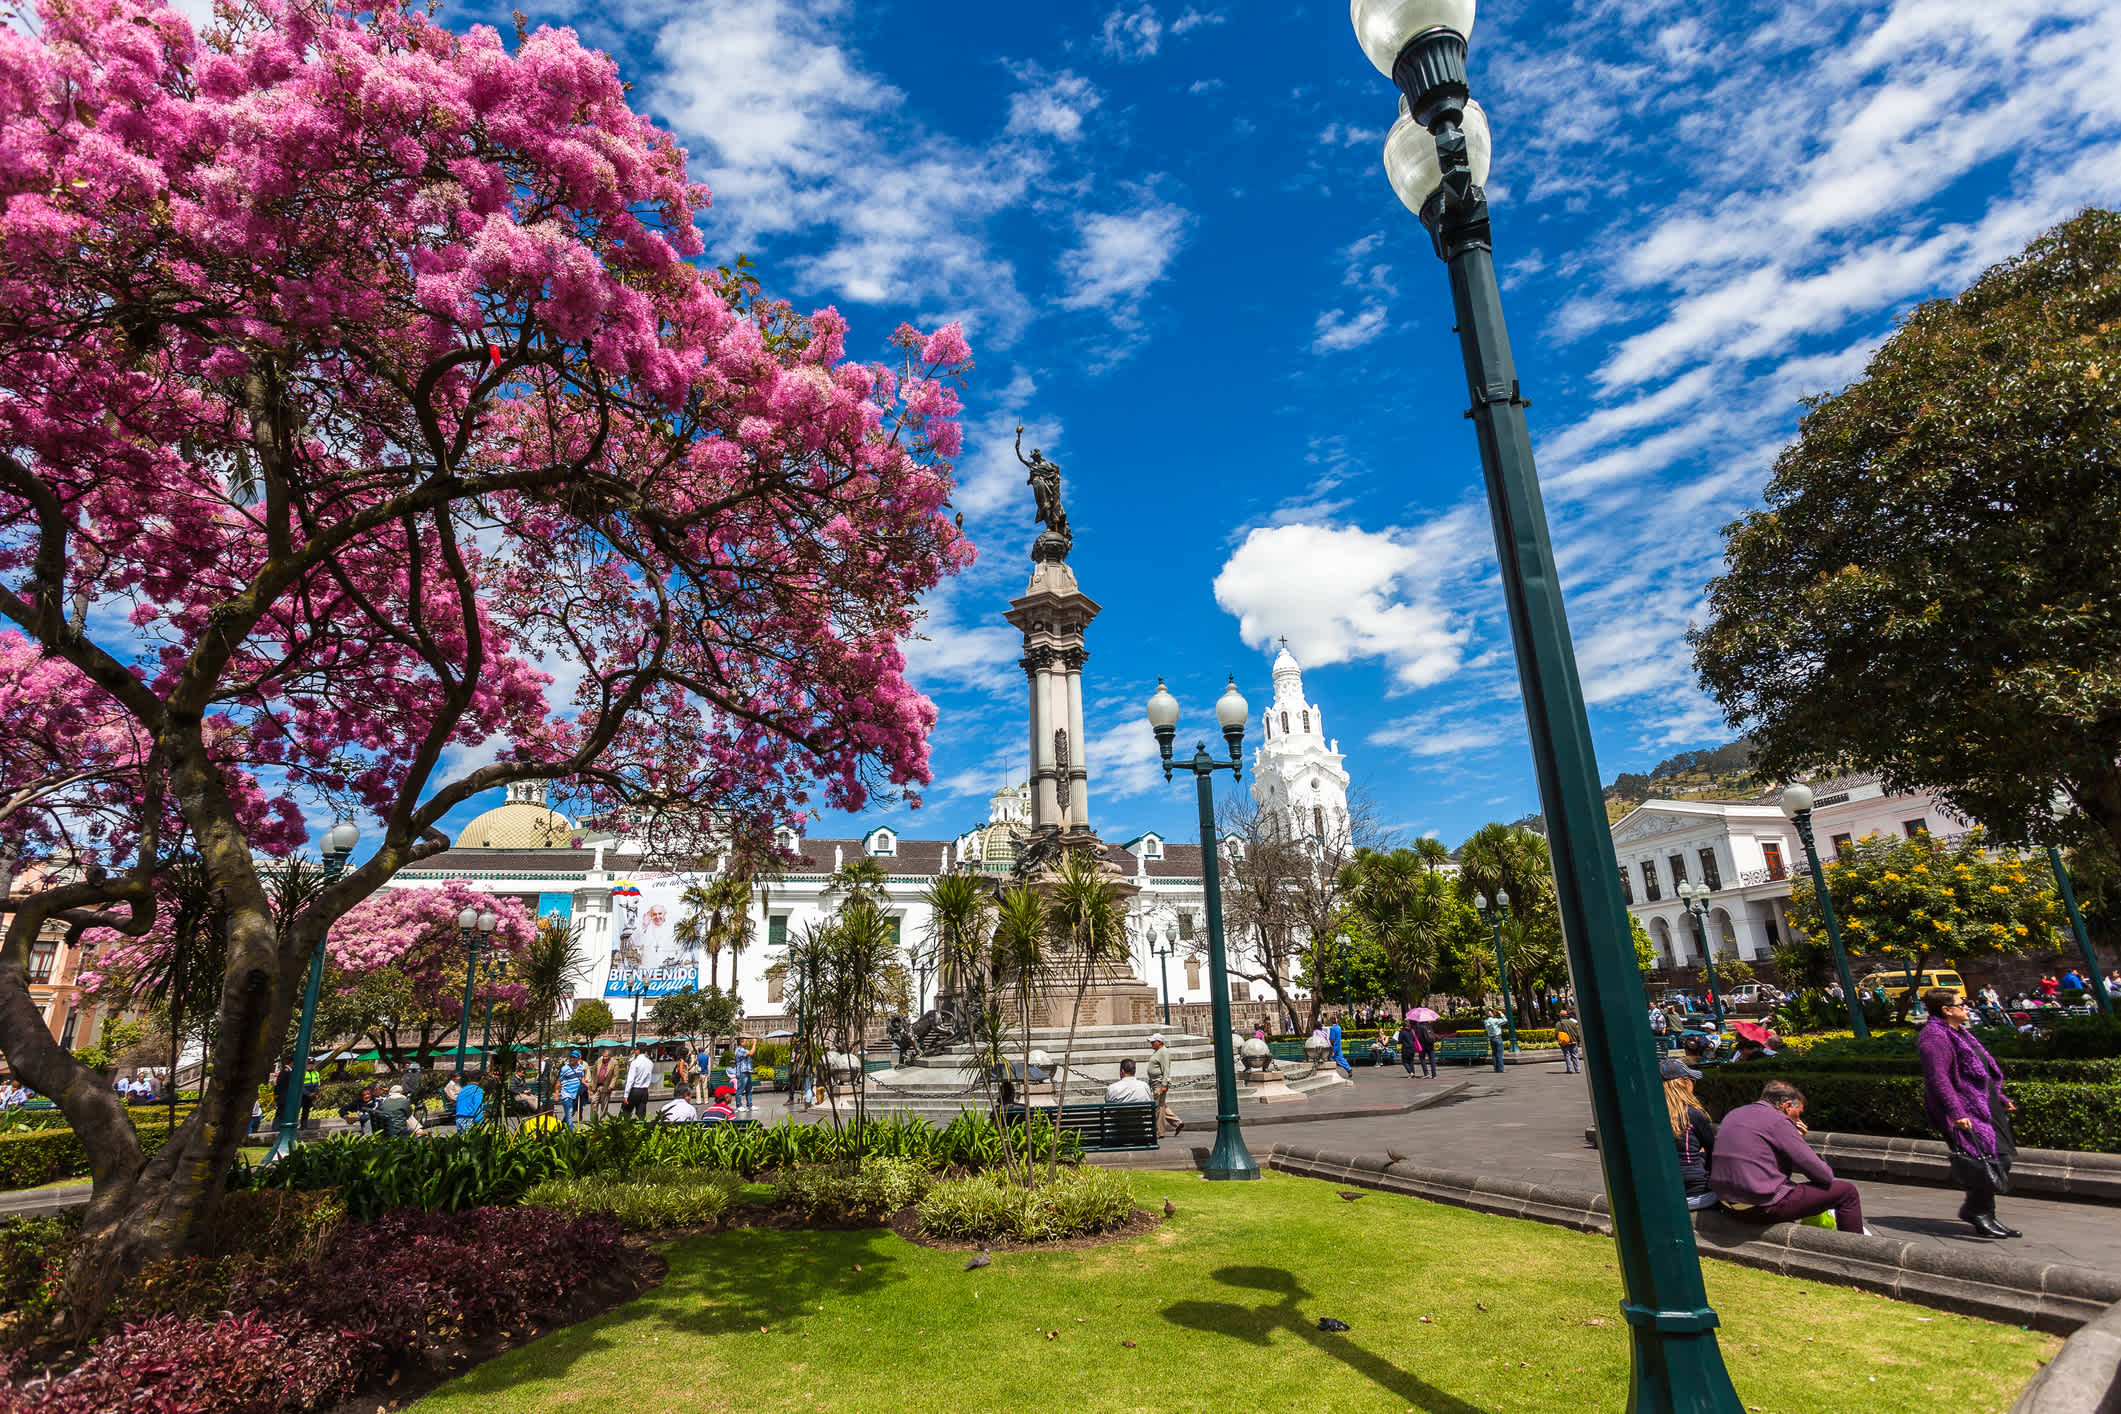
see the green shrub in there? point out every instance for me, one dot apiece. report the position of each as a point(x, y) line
point(2050, 1114)
point(32, 1259)
point(844, 1194)
point(986, 1207)
point(645, 1200)
point(32, 1157)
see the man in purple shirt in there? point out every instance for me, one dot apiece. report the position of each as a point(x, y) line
point(1760, 1152)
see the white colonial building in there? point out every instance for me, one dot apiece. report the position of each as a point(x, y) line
point(623, 912)
point(1747, 855)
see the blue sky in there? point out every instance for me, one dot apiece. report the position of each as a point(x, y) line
point(1168, 234)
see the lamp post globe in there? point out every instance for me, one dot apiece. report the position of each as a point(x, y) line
point(1797, 805)
point(1421, 45)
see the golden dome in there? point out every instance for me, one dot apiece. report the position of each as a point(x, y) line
point(522, 822)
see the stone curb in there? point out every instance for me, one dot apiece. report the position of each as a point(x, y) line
point(2045, 1173)
point(1204, 1113)
point(2085, 1375)
point(2046, 1296)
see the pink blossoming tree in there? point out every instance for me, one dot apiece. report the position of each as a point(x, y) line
point(357, 389)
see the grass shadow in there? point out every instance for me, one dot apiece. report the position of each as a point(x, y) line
point(718, 1284)
point(1283, 1313)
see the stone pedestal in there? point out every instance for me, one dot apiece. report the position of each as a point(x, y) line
point(1052, 614)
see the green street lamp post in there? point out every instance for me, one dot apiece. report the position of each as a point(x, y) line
point(474, 931)
point(339, 842)
point(1495, 917)
point(1437, 158)
point(1694, 898)
point(1163, 948)
point(1797, 804)
point(2076, 923)
point(1229, 1159)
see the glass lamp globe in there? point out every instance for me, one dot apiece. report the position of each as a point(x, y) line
point(1231, 709)
point(1796, 799)
point(1502, 898)
point(1384, 27)
point(486, 921)
point(1411, 163)
point(1163, 708)
point(342, 837)
point(467, 920)
point(1480, 901)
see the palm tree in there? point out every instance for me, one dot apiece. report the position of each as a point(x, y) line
point(1019, 964)
point(548, 971)
point(718, 915)
point(1431, 852)
point(1088, 922)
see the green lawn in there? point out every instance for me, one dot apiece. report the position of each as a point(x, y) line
point(1222, 1304)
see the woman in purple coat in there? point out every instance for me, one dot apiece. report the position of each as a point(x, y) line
point(1962, 1094)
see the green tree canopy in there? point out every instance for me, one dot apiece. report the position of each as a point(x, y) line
point(1928, 591)
point(1915, 901)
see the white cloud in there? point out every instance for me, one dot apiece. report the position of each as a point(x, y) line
point(1337, 330)
point(1052, 105)
point(793, 134)
point(1131, 35)
point(1119, 255)
point(1341, 593)
point(1426, 737)
point(1194, 19)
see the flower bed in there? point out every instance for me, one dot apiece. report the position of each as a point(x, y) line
point(1078, 1203)
point(278, 1332)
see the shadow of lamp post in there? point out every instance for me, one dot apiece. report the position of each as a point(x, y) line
point(339, 842)
point(1230, 1158)
point(1436, 156)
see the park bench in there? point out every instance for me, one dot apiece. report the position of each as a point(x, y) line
point(1471, 1049)
point(1100, 1128)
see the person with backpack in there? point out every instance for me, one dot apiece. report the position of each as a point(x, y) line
point(1568, 1034)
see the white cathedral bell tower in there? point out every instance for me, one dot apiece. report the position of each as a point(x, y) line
point(1297, 772)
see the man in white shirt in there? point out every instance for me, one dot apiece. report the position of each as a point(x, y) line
point(678, 1111)
point(640, 1074)
point(1128, 1090)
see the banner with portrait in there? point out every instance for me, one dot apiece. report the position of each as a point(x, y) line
point(646, 958)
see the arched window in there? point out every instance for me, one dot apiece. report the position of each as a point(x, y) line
point(1307, 720)
point(1318, 821)
point(1285, 721)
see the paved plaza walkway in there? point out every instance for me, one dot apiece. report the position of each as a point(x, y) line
point(1529, 1125)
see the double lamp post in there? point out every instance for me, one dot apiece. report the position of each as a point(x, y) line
point(1495, 916)
point(1229, 1159)
point(339, 842)
point(475, 931)
point(1436, 157)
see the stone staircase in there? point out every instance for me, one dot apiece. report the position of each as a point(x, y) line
point(940, 1087)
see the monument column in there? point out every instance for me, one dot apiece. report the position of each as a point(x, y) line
point(1078, 812)
point(1038, 661)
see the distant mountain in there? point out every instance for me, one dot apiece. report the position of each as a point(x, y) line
point(1720, 773)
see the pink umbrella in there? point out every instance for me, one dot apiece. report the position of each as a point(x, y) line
point(1420, 1013)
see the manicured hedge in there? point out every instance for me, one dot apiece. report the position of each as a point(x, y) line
point(36, 1156)
point(2050, 1114)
